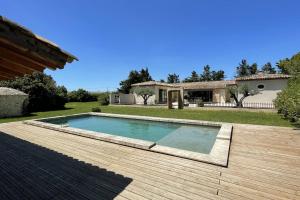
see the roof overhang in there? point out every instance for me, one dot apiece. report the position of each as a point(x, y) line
point(23, 52)
point(262, 76)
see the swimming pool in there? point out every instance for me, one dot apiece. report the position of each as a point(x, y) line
point(187, 137)
point(197, 140)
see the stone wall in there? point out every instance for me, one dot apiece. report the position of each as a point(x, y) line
point(220, 96)
point(12, 105)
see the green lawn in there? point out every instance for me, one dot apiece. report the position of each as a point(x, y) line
point(244, 117)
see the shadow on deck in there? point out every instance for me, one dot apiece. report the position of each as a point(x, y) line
point(29, 171)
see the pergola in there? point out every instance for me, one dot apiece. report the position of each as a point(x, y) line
point(179, 95)
point(23, 52)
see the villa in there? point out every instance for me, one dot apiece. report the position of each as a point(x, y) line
point(210, 92)
point(141, 153)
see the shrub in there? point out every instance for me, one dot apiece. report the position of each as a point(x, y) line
point(96, 109)
point(288, 100)
point(96, 95)
point(43, 92)
point(81, 95)
point(104, 99)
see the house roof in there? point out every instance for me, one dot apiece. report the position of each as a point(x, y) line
point(206, 84)
point(23, 52)
point(262, 76)
point(4, 91)
point(154, 83)
point(191, 85)
point(213, 84)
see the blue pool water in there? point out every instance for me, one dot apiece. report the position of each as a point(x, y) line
point(181, 136)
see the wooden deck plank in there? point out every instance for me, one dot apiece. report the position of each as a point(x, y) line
point(263, 164)
point(148, 173)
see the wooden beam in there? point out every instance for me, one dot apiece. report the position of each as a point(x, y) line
point(16, 58)
point(3, 77)
point(15, 67)
point(4, 70)
point(7, 74)
point(47, 62)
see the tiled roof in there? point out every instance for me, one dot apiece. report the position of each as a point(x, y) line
point(154, 83)
point(262, 76)
point(206, 84)
point(191, 85)
point(213, 84)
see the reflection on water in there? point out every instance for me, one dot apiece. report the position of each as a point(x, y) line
point(188, 137)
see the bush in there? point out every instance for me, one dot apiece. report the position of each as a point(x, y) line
point(96, 95)
point(288, 100)
point(43, 92)
point(81, 95)
point(104, 99)
point(97, 109)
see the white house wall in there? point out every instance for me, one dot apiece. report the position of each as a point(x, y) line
point(126, 99)
point(266, 95)
point(151, 100)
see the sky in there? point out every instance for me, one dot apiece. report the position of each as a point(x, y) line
point(112, 37)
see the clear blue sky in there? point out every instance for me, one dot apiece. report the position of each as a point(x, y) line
point(113, 37)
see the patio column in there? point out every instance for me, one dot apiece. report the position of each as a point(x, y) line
point(179, 99)
point(169, 99)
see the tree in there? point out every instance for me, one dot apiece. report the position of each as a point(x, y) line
point(206, 74)
point(144, 92)
point(43, 92)
point(173, 78)
point(145, 75)
point(134, 77)
point(253, 68)
point(217, 75)
point(193, 78)
point(290, 66)
point(81, 95)
point(242, 69)
point(288, 100)
point(283, 66)
point(244, 90)
point(268, 69)
point(103, 98)
point(162, 80)
point(62, 91)
point(62, 94)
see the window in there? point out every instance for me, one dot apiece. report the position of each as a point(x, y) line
point(261, 86)
point(205, 95)
point(162, 96)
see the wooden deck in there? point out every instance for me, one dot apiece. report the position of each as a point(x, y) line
point(37, 163)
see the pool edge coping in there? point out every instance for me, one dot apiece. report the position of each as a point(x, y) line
point(218, 156)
